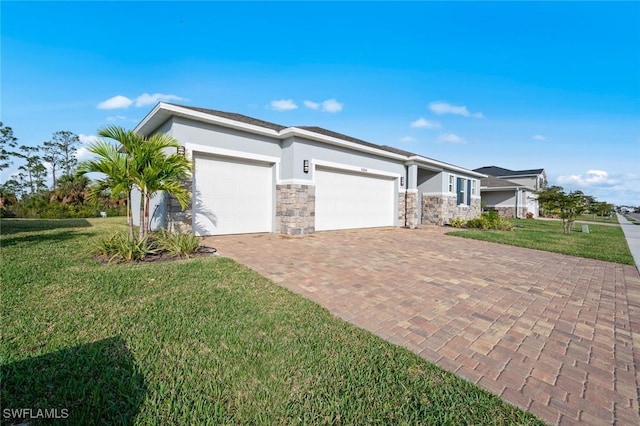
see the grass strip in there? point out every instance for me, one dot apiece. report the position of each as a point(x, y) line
point(200, 341)
point(602, 242)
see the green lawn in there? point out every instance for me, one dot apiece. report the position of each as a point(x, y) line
point(200, 341)
point(595, 218)
point(602, 242)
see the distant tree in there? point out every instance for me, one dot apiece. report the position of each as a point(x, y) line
point(72, 189)
point(567, 206)
point(8, 193)
point(33, 168)
point(67, 143)
point(602, 208)
point(53, 155)
point(7, 142)
point(22, 183)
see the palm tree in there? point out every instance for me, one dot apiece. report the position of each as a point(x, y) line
point(114, 165)
point(161, 172)
point(141, 163)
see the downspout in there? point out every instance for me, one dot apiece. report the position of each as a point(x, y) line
point(516, 212)
point(406, 201)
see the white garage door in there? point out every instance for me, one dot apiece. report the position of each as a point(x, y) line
point(347, 200)
point(232, 196)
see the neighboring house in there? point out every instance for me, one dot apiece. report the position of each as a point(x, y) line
point(512, 193)
point(253, 176)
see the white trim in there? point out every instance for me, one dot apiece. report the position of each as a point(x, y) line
point(295, 181)
point(163, 112)
point(239, 155)
point(498, 189)
point(445, 167)
point(350, 168)
point(294, 131)
point(444, 194)
point(222, 152)
point(200, 116)
point(412, 191)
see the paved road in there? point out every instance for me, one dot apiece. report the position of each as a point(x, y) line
point(636, 216)
point(556, 335)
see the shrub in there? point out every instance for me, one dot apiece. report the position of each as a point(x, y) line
point(490, 220)
point(503, 225)
point(456, 222)
point(529, 215)
point(479, 223)
point(121, 248)
point(177, 243)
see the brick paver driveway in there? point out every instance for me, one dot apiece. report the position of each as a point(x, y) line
point(550, 333)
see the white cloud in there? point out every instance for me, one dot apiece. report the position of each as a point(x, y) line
point(331, 105)
point(425, 124)
point(617, 188)
point(592, 178)
point(311, 104)
point(283, 105)
point(116, 102)
point(123, 102)
point(83, 153)
point(88, 139)
point(539, 137)
point(407, 139)
point(440, 108)
point(116, 118)
point(147, 99)
point(451, 138)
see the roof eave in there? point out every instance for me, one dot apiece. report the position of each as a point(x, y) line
point(163, 111)
point(296, 131)
point(442, 166)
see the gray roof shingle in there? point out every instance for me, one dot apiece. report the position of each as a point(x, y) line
point(238, 117)
point(499, 171)
point(494, 182)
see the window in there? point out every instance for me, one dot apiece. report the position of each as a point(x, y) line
point(451, 177)
point(464, 192)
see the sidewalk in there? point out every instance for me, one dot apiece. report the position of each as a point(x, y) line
point(632, 235)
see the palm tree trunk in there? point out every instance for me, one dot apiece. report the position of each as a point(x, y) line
point(130, 216)
point(141, 229)
point(147, 207)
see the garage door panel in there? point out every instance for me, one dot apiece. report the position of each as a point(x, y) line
point(346, 200)
point(232, 196)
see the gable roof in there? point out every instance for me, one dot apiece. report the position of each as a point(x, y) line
point(494, 182)
point(502, 172)
point(337, 135)
point(163, 111)
point(237, 117)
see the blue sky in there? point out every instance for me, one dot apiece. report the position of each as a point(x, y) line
point(517, 85)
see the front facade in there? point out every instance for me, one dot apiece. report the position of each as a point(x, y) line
point(253, 176)
point(512, 193)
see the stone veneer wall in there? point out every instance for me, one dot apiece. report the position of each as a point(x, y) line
point(412, 209)
point(408, 209)
point(510, 211)
point(402, 204)
point(440, 209)
point(505, 211)
point(295, 209)
point(179, 219)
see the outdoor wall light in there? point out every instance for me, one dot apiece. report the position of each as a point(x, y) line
point(305, 166)
point(181, 150)
point(401, 180)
